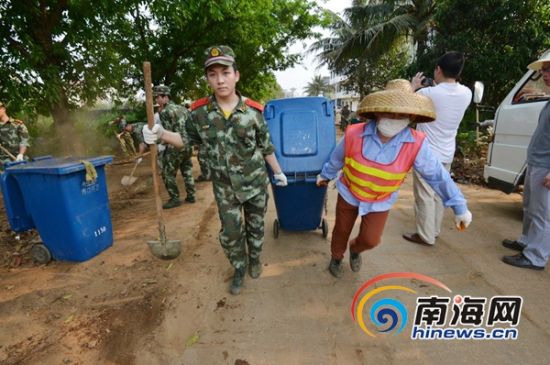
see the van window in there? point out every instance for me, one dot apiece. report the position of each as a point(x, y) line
point(533, 90)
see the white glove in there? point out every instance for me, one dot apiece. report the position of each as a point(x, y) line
point(280, 179)
point(321, 181)
point(20, 157)
point(151, 136)
point(462, 221)
point(139, 160)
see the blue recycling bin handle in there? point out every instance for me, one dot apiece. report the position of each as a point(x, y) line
point(293, 177)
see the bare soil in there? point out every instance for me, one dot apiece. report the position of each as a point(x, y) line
point(127, 307)
point(68, 313)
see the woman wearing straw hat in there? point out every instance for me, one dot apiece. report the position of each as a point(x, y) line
point(374, 158)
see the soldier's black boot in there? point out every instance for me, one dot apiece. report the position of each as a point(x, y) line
point(237, 282)
point(254, 267)
point(172, 203)
point(190, 199)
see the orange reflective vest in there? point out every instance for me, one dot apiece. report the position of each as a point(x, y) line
point(371, 181)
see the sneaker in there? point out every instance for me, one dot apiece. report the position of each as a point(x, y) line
point(355, 261)
point(237, 281)
point(335, 268)
point(172, 203)
point(190, 199)
point(254, 268)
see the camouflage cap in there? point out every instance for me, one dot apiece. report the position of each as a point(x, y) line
point(2, 104)
point(219, 55)
point(161, 90)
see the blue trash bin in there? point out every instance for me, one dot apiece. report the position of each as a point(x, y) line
point(18, 217)
point(71, 215)
point(302, 130)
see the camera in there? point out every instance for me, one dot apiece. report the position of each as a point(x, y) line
point(428, 81)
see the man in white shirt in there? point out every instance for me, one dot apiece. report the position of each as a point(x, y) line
point(451, 99)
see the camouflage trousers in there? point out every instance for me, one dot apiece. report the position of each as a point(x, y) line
point(127, 144)
point(172, 161)
point(202, 157)
point(242, 228)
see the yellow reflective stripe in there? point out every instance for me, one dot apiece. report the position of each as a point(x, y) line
point(369, 184)
point(374, 171)
point(366, 195)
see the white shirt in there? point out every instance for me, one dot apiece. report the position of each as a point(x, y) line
point(450, 101)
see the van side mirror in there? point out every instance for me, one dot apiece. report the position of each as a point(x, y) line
point(478, 91)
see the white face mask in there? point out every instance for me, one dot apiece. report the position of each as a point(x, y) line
point(390, 127)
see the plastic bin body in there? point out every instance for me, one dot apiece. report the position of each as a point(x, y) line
point(72, 216)
point(18, 217)
point(302, 130)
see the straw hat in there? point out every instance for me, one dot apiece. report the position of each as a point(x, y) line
point(537, 65)
point(398, 97)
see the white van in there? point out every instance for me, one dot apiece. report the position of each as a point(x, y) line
point(515, 121)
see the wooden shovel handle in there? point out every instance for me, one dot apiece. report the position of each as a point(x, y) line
point(153, 147)
point(8, 152)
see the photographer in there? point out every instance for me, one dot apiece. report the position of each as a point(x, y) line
point(450, 99)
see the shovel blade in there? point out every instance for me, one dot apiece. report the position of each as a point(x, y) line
point(128, 180)
point(168, 250)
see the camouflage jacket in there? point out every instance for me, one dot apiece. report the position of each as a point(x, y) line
point(174, 118)
point(13, 134)
point(236, 146)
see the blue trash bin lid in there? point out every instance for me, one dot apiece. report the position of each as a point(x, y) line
point(302, 131)
point(58, 166)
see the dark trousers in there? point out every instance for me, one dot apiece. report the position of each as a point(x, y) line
point(370, 232)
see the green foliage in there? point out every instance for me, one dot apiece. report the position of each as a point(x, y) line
point(352, 49)
point(374, 27)
point(59, 55)
point(173, 35)
point(499, 38)
point(363, 77)
point(56, 54)
point(317, 86)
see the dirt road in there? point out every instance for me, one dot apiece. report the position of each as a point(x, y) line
point(126, 307)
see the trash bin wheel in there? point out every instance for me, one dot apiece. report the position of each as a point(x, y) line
point(276, 227)
point(40, 253)
point(324, 228)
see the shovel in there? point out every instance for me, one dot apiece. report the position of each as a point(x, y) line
point(129, 180)
point(5, 150)
point(163, 248)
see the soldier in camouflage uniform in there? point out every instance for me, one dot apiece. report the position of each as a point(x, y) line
point(14, 138)
point(234, 130)
point(125, 139)
point(174, 117)
point(134, 130)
